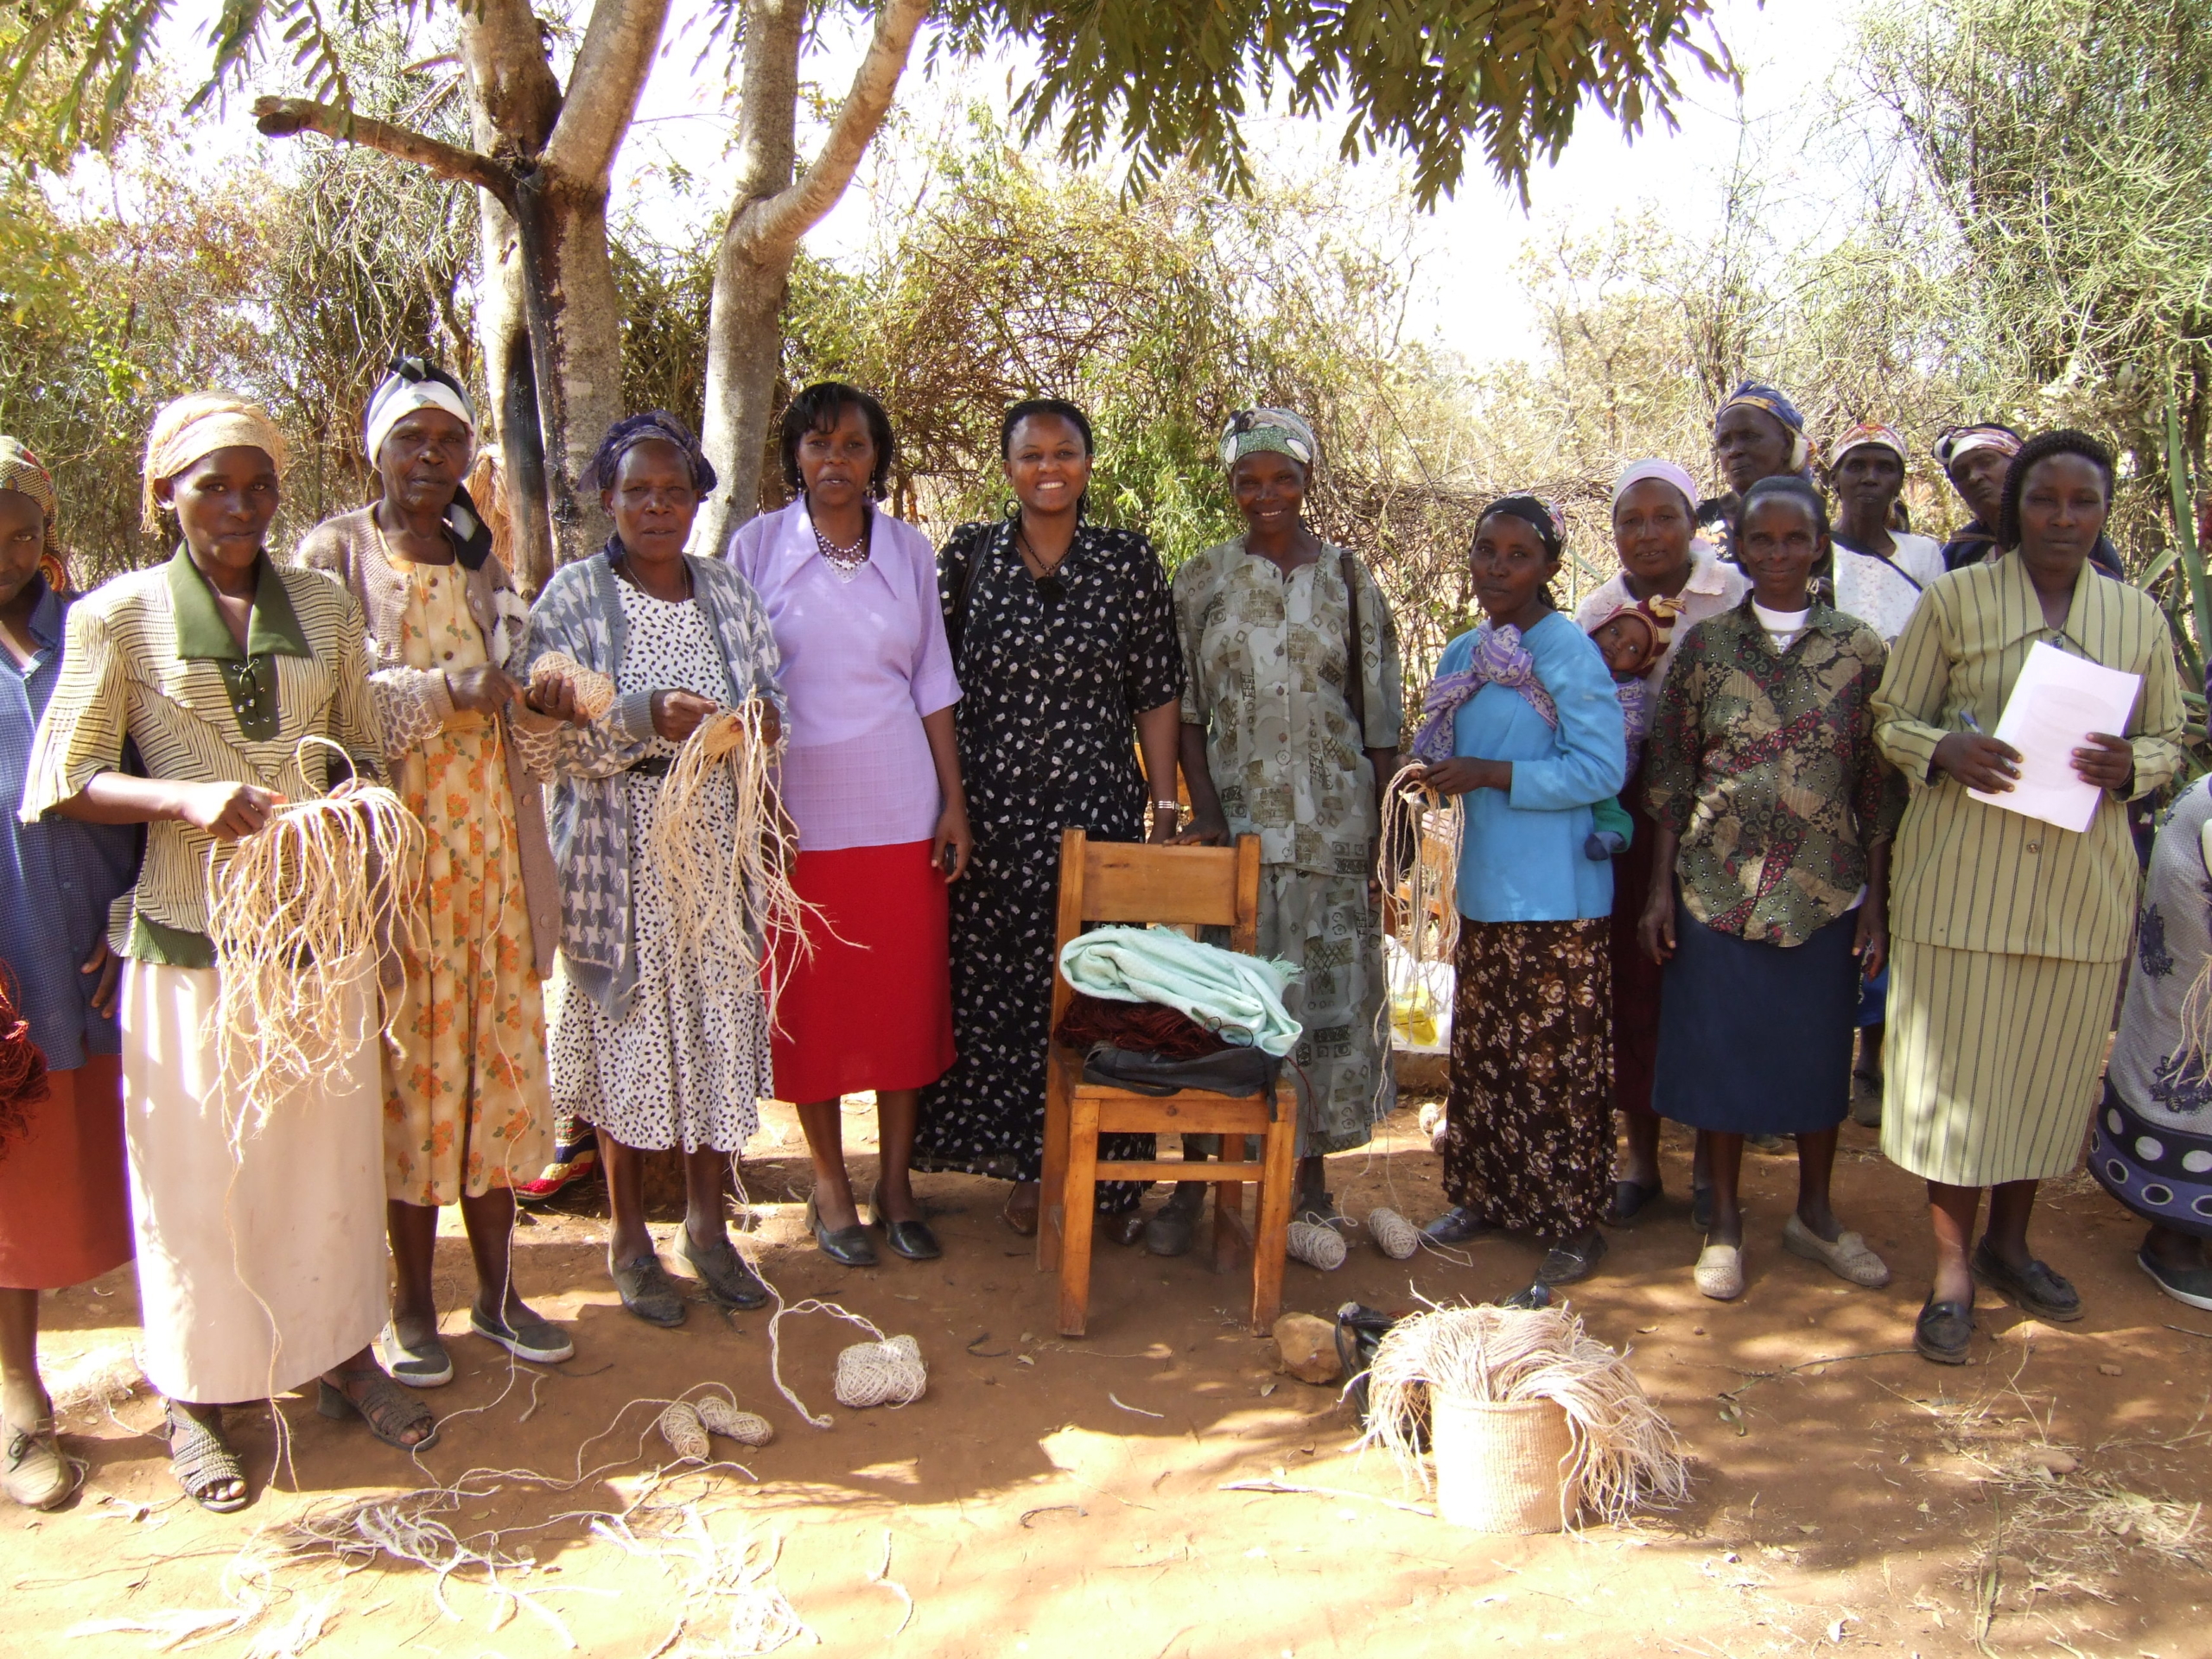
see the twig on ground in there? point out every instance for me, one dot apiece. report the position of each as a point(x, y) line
point(1322, 1491)
point(1138, 1410)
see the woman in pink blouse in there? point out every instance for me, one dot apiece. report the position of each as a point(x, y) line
point(872, 778)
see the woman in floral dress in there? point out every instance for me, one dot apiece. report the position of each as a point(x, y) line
point(467, 1115)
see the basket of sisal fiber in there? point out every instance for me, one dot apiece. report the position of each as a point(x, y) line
point(1529, 1420)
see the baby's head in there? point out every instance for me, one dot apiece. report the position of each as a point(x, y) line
point(1629, 641)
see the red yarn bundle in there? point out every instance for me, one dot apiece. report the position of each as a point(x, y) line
point(22, 1069)
point(1146, 1028)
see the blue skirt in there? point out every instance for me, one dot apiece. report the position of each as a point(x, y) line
point(2162, 1174)
point(1755, 1038)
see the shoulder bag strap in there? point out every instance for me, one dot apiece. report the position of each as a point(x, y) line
point(1355, 655)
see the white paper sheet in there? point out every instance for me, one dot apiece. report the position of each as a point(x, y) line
point(2055, 704)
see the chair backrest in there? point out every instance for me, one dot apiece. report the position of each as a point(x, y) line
point(1128, 881)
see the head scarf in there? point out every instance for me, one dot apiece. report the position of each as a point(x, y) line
point(199, 423)
point(413, 383)
point(1775, 404)
point(1869, 433)
point(1498, 657)
point(19, 470)
point(655, 425)
point(1965, 439)
point(1666, 471)
point(1251, 430)
point(1540, 516)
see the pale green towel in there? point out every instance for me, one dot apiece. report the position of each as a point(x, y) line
point(1237, 996)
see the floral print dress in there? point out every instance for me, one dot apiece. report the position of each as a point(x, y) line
point(1047, 726)
point(465, 1107)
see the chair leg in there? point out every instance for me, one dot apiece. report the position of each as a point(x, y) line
point(1080, 1201)
point(1051, 1202)
point(1272, 1236)
point(1229, 1207)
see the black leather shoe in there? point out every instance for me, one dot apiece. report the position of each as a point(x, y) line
point(1573, 1262)
point(849, 1246)
point(911, 1239)
point(722, 1271)
point(1455, 1226)
point(1944, 1331)
point(2034, 1289)
point(1122, 1227)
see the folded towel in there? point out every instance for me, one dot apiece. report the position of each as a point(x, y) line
point(1225, 991)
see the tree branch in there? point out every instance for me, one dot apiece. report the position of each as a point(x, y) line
point(281, 117)
point(610, 73)
point(783, 218)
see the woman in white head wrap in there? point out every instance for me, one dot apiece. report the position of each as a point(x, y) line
point(467, 1115)
point(1673, 576)
point(261, 1261)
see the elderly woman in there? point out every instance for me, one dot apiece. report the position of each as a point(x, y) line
point(1757, 433)
point(467, 1115)
point(1529, 1134)
point(1063, 638)
point(659, 1045)
point(65, 1215)
point(1775, 813)
point(2009, 932)
point(872, 779)
point(260, 1255)
point(1291, 701)
point(1674, 578)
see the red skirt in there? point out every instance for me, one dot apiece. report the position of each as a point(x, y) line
point(871, 1007)
point(65, 1203)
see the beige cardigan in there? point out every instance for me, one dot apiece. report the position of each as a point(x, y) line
point(412, 703)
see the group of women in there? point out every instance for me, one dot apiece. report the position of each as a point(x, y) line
point(1791, 792)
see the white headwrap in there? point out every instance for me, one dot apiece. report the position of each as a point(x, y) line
point(400, 396)
point(1665, 471)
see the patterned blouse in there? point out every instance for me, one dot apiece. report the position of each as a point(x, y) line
point(1265, 656)
point(1053, 686)
point(151, 660)
point(1765, 765)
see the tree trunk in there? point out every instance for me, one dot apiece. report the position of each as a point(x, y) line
point(769, 212)
point(745, 330)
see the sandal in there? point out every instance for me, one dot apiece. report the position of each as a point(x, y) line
point(33, 1471)
point(202, 1461)
point(648, 1290)
point(1630, 1199)
point(388, 1412)
point(429, 1366)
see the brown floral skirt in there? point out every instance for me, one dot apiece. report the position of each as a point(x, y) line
point(1528, 1145)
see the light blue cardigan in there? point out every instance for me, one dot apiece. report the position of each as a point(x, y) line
point(580, 614)
point(1522, 859)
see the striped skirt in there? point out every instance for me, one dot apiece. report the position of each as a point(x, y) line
point(1991, 1062)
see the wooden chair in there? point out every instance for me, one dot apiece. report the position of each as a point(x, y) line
point(1116, 881)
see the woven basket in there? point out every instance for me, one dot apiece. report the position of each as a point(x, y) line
point(1503, 1468)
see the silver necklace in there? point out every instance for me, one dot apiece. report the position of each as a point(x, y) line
point(844, 563)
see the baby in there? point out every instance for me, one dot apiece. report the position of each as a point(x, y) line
point(1629, 637)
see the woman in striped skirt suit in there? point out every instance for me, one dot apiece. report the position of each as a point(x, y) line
point(2008, 933)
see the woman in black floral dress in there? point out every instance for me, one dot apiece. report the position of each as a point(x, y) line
point(1065, 639)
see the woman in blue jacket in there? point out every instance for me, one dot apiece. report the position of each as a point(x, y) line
point(1537, 739)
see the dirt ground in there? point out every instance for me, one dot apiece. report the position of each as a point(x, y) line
point(1051, 1498)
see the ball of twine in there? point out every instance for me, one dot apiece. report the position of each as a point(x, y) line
point(1395, 1236)
point(686, 1435)
point(722, 1417)
point(886, 1373)
point(1317, 1246)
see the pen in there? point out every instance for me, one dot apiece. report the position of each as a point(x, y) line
point(1967, 720)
